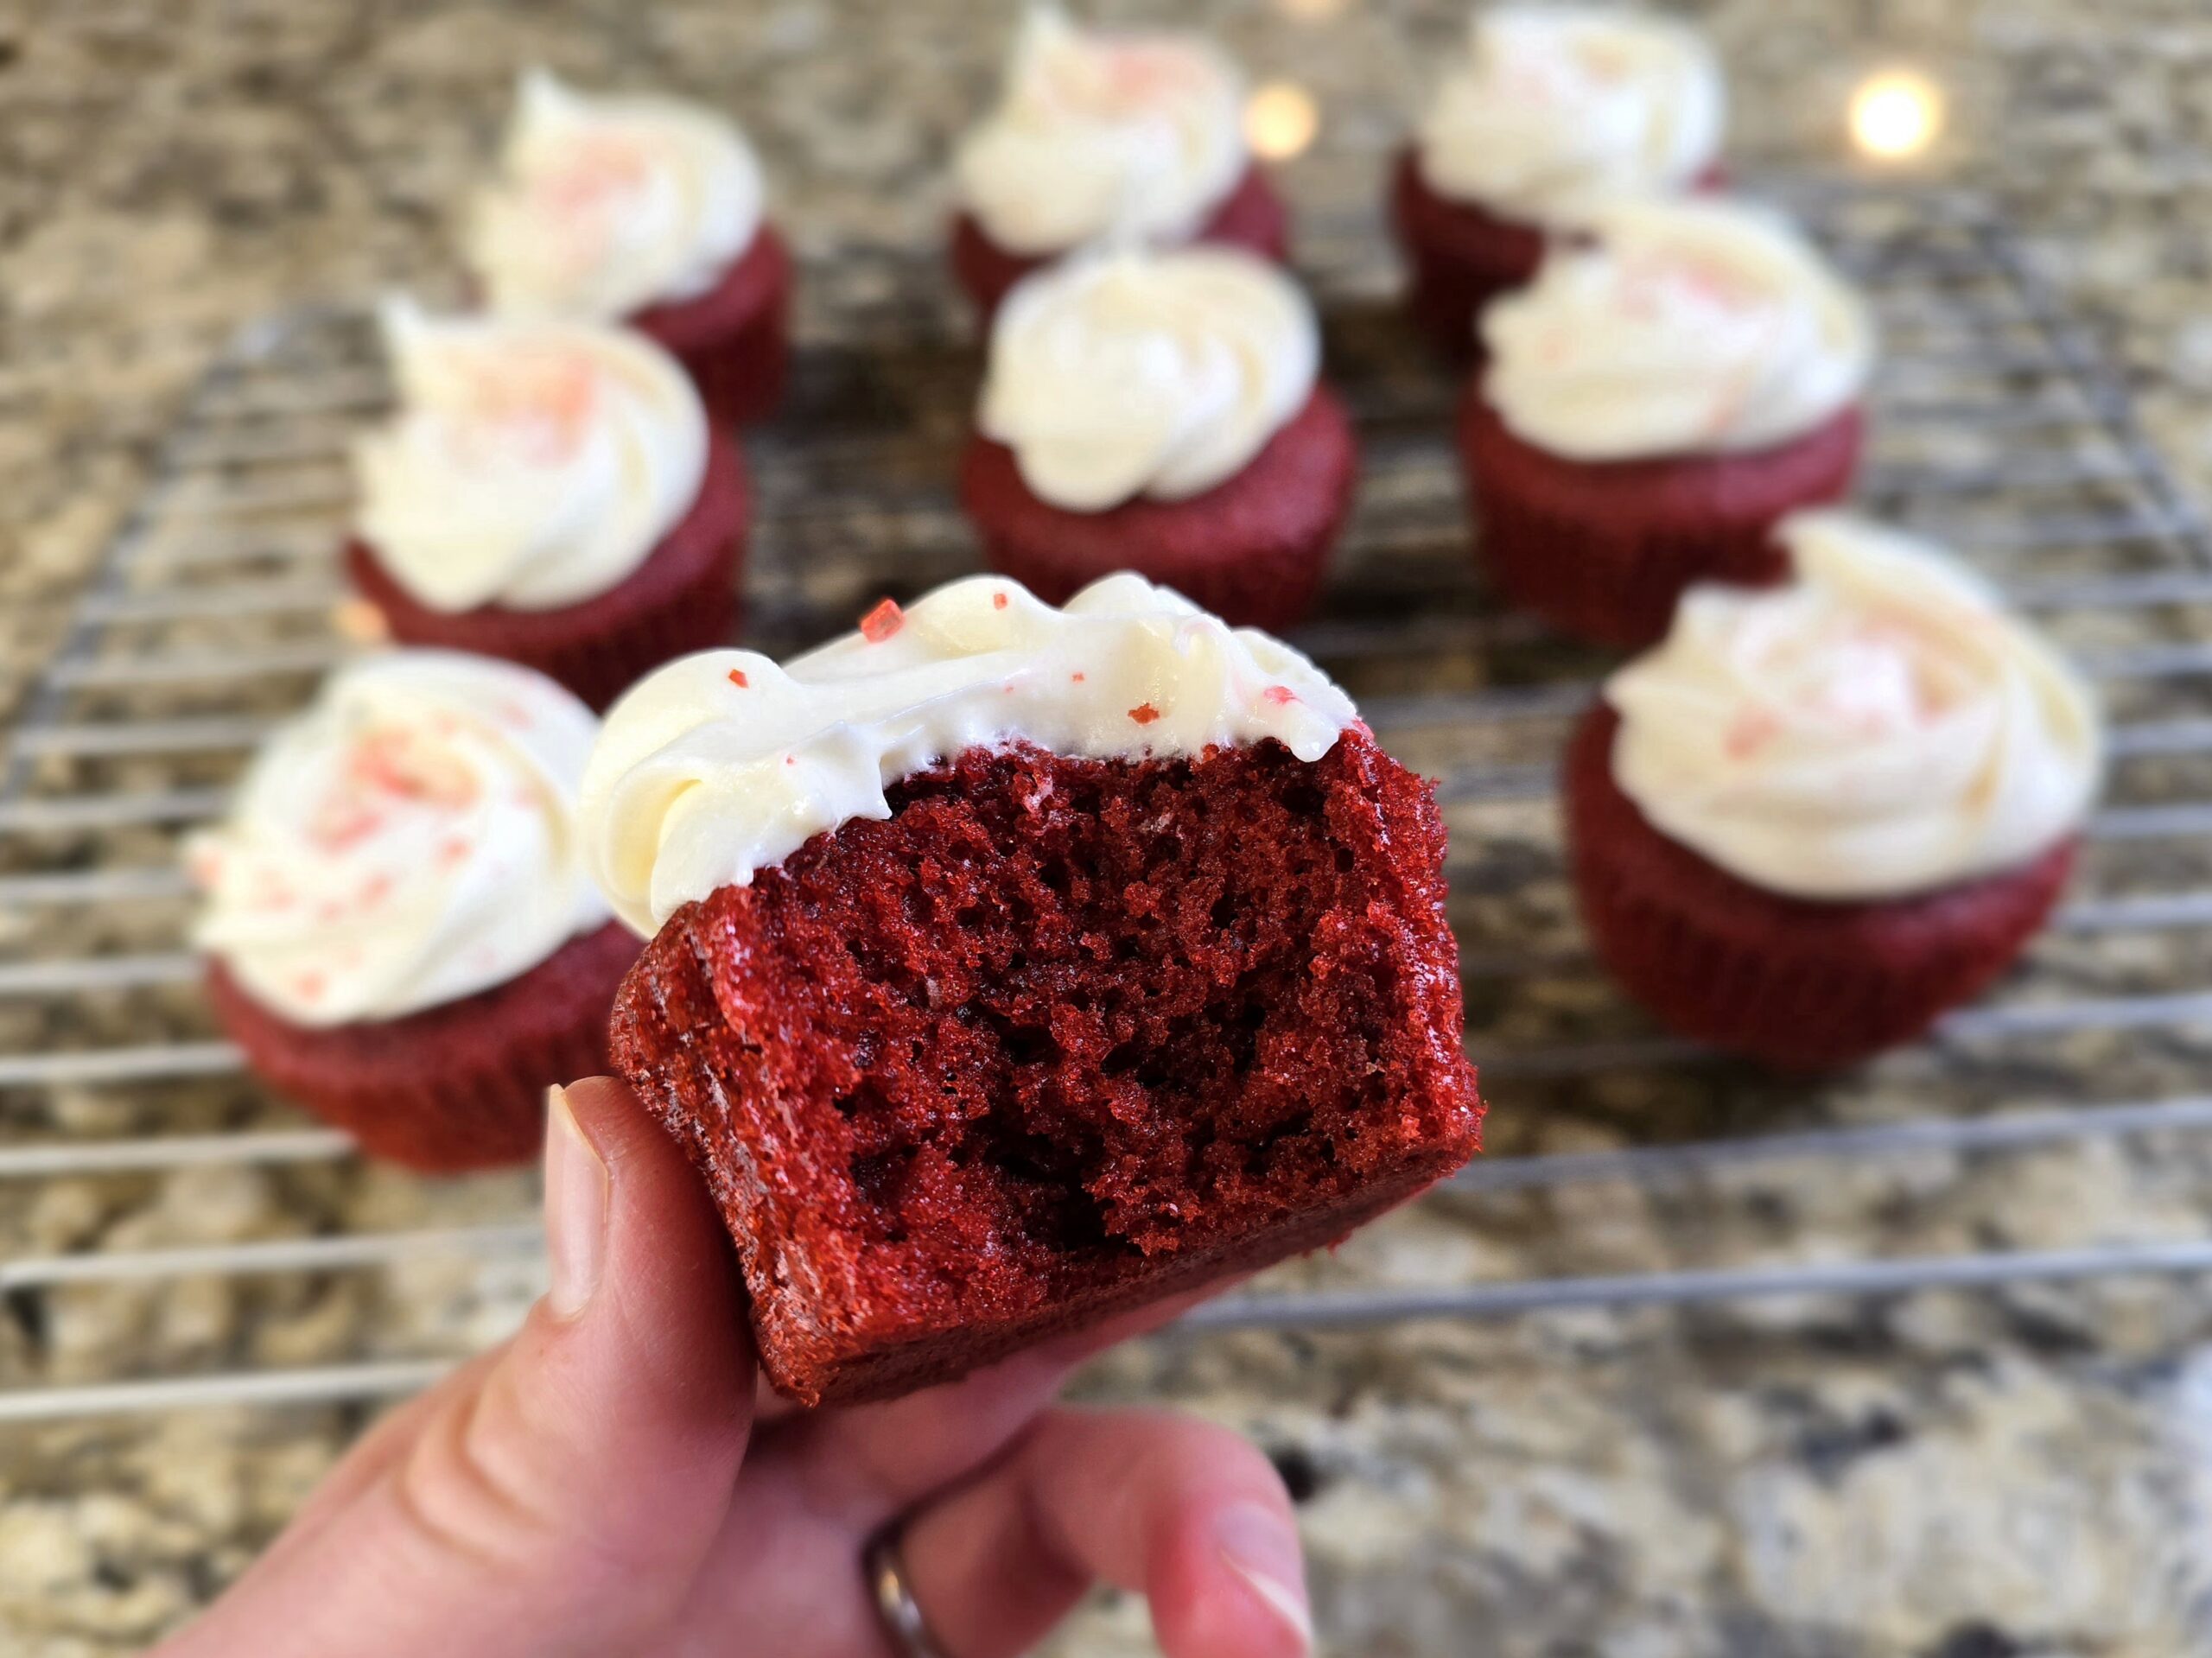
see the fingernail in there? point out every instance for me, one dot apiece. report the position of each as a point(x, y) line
point(575, 1209)
point(1262, 1548)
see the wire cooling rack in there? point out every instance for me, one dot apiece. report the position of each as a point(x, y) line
point(219, 603)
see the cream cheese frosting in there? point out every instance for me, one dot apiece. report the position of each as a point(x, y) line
point(606, 205)
point(407, 840)
point(1687, 327)
point(530, 465)
point(1104, 136)
point(722, 764)
point(1142, 373)
point(1550, 111)
point(1877, 728)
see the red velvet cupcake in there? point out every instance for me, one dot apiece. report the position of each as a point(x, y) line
point(734, 339)
point(1549, 112)
point(1133, 974)
point(552, 493)
point(401, 935)
point(1106, 139)
point(1652, 406)
point(1161, 412)
point(1251, 217)
point(646, 211)
point(1821, 815)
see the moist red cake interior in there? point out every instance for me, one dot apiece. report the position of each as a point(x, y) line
point(1060, 1035)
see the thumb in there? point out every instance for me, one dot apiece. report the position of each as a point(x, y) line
point(556, 1496)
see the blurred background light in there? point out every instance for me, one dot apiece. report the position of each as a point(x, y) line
point(1896, 115)
point(1281, 120)
point(359, 622)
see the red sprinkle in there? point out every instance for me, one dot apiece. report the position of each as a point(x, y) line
point(737, 678)
point(1077, 677)
point(454, 848)
point(791, 759)
point(1279, 695)
point(1752, 730)
point(1144, 714)
point(308, 986)
point(882, 622)
point(998, 601)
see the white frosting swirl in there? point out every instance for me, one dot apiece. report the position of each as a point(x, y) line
point(1878, 727)
point(530, 465)
point(1552, 110)
point(1102, 136)
point(1160, 374)
point(723, 763)
point(407, 840)
point(606, 206)
point(1690, 327)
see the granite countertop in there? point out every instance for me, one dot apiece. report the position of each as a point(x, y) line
point(1964, 1474)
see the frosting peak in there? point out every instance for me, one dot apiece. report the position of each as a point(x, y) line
point(1878, 727)
point(1552, 109)
point(1104, 136)
point(723, 763)
point(530, 465)
point(606, 205)
point(1687, 327)
point(407, 840)
point(1160, 374)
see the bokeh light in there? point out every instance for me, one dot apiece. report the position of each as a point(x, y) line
point(1896, 115)
point(359, 622)
point(1281, 120)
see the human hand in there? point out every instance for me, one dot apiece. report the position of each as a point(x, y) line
point(603, 1484)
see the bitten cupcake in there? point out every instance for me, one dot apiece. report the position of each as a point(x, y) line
point(642, 210)
point(550, 493)
point(1015, 966)
point(1161, 412)
point(1547, 114)
point(401, 932)
point(1819, 814)
point(1653, 405)
point(1106, 139)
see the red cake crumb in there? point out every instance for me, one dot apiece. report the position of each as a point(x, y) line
point(683, 598)
point(1253, 550)
point(1250, 216)
point(1802, 984)
point(458, 1086)
point(1058, 1038)
point(733, 339)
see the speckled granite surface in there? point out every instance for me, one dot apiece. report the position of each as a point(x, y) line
point(1965, 1474)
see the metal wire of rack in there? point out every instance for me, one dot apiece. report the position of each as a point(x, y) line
point(220, 602)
